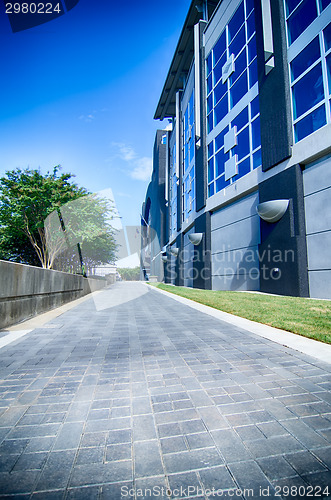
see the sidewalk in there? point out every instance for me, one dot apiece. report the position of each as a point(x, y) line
point(132, 394)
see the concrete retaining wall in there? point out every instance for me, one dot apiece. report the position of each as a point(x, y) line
point(26, 291)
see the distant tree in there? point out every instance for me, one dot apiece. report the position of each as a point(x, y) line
point(47, 219)
point(129, 274)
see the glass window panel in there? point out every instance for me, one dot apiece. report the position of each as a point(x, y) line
point(249, 6)
point(209, 63)
point(219, 140)
point(308, 91)
point(210, 149)
point(328, 65)
point(240, 120)
point(252, 49)
point(219, 47)
point(310, 123)
point(210, 122)
point(306, 58)
point(242, 148)
point(253, 73)
point(220, 159)
point(256, 133)
point(218, 69)
point(290, 5)
point(257, 160)
point(191, 150)
point(239, 89)
point(301, 19)
point(219, 91)
point(238, 43)
point(211, 170)
point(327, 37)
point(210, 103)
point(221, 109)
point(325, 3)
point(255, 106)
point(221, 183)
point(240, 64)
point(243, 168)
point(250, 25)
point(209, 83)
point(236, 21)
point(211, 189)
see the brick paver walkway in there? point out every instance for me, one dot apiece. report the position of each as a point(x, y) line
point(146, 397)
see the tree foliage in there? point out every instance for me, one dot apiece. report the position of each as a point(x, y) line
point(46, 219)
point(129, 274)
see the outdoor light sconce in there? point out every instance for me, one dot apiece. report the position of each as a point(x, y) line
point(195, 238)
point(164, 258)
point(174, 251)
point(273, 210)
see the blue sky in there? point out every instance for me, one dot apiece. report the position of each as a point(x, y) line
point(81, 91)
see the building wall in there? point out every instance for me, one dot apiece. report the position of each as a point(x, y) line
point(26, 291)
point(317, 196)
point(235, 235)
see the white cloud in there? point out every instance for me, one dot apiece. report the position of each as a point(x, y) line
point(141, 167)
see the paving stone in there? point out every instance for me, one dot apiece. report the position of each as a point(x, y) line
point(147, 459)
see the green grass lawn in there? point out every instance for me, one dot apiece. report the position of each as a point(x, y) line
point(308, 317)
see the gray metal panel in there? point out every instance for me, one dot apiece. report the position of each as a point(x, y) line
point(236, 283)
point(318, 211)
point(319, 245)
point(241, 261)
point(317, 177)
point(319, 284)
point(239, 210)
point(241, 234)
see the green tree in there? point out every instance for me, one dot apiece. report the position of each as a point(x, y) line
point(45, 217)
point(129, 274)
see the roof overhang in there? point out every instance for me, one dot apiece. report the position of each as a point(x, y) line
point(182, 59)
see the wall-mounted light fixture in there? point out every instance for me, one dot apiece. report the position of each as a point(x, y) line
point(164, 258)
point(195, 238)
point(174, 251)
point(273, 210)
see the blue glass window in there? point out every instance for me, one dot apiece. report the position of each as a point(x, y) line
point(221, 183)
point(236, 21)
point(328, 65)
point(211, 170)
point(240, 120)
point(210, 103)
point(210, 149)
point(325, 3)
point(257, 160)
point(256, 133)
point(238, 90)
point(209, 83)
point(253, 73)
point(308, 91)
point(255, 107)
point(239, 64)
point(290, 5)
point(209, 63)
point(243, 168)
point(242, 148)
point(249, 6)
point(327, 37)
point(305, 59)
point(252, 49)
point(301, 19)
point(218, 69)
point(221, 110)
point(219, 91)
point(220, 159)
point(211, 189)
point(219, 140)
point(192, 148)
point(210, 122)
point(310, 123)
point(250, 25)
point(236, 46)
point(220, 47)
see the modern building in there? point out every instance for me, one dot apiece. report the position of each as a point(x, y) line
point(240, 197)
